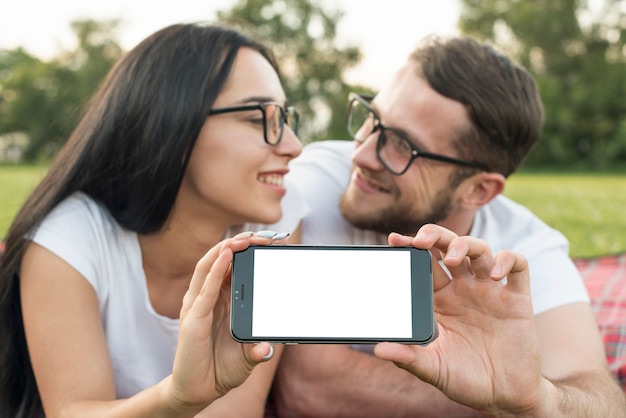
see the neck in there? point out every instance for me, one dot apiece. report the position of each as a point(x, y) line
point(174, 251)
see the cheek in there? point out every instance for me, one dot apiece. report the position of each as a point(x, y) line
point(420, 185)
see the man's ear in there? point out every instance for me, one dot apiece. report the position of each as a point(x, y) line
point(479, 189)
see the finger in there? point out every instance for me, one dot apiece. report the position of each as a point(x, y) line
point(407, 357)
point(258, 353)
point(204, 303)
point(469, 256)
point(440, 277)
point(433, 237)
point(397, 240)
point(241, 242)
point(514, 267)
point(203, 266)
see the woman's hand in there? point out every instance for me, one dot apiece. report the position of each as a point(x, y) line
point(208, 362)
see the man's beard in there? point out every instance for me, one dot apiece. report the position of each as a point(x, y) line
point(398, 217)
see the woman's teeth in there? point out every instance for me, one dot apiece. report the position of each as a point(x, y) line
point(274, 179)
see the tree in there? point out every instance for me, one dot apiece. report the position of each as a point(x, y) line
point(302, 36)
point(45, 100)
point(577, 54)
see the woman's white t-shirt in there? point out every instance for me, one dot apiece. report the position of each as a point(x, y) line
point(141, 342)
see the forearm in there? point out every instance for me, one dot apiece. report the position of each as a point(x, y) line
point(592, 394)
point(589, 394)
point(249, 399)
point(154, 402)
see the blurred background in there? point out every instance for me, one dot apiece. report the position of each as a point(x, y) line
point(53, 55)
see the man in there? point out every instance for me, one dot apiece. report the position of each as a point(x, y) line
point(436, 146)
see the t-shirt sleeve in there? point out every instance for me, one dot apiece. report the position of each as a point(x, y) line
point(72, 232)
point(555, 280)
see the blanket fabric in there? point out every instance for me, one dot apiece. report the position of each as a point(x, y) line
point(605, 278)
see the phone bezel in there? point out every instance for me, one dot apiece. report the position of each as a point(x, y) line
point(421, 297)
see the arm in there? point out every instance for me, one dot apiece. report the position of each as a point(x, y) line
point(336, 381)
point(513, 363)
point(574, 361)
point(69, 354)
point(247, 400)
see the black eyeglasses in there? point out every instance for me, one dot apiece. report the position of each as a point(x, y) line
point(394, 150)
point(274, 119)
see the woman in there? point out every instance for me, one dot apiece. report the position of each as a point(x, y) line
point(104, 301)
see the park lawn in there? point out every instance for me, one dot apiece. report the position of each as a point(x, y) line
point(588, 208)
point(16, 182)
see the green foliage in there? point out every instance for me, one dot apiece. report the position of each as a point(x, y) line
point(45, 100)
point(302, 35)
point(577, 52)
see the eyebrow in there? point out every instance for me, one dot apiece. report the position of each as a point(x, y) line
point(415, 141)
point(260, 99)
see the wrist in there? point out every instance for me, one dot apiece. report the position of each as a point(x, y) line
point(544, 402)
point(174, 402)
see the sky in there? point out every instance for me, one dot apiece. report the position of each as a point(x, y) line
point(386, 31)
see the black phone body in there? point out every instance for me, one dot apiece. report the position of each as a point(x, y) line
point(332, 294)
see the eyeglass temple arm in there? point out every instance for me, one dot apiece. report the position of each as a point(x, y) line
point(450, 160)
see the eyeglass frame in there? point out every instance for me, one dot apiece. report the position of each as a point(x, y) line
point(284, 112)
point(365, 99)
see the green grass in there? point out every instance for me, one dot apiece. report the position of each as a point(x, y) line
point(16, 182)
point(590, 209)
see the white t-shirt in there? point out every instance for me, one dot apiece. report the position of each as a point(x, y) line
point(141, 342)
point(322, 172)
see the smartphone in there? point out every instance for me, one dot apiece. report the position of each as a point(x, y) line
point(332, 294)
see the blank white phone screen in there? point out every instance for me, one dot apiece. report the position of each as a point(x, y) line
point(332, 293)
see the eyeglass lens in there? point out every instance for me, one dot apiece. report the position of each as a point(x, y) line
point(393, 150)
point(273, 123)
point(275, 119)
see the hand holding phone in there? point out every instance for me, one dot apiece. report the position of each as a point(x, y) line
point(332, 294)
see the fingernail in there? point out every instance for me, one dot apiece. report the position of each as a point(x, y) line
point(451, 253)
point(242, 235)
point(266, 234)
point(270, 354)
point(280, 236)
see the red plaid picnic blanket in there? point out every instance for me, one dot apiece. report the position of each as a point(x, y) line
point(605, 278)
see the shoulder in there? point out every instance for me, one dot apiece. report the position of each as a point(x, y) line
point(82, 233)
point(328, 149)
point(506, 224)
point(78, 209)
point(330, 154)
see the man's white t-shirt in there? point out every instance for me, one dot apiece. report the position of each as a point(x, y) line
point(322, 172)
point(141, 342)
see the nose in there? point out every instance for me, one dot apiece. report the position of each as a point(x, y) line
point(364, 154)
point(289, 144)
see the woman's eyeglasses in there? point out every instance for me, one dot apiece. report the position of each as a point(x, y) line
point(274, 119)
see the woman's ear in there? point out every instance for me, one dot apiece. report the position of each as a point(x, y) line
point(481, 188)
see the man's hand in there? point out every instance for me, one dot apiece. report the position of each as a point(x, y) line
point(487, 354)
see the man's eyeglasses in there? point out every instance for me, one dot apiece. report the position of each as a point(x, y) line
point(274, 118)
point(394, 150)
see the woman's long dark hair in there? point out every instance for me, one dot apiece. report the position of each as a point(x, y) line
point(129, 152)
